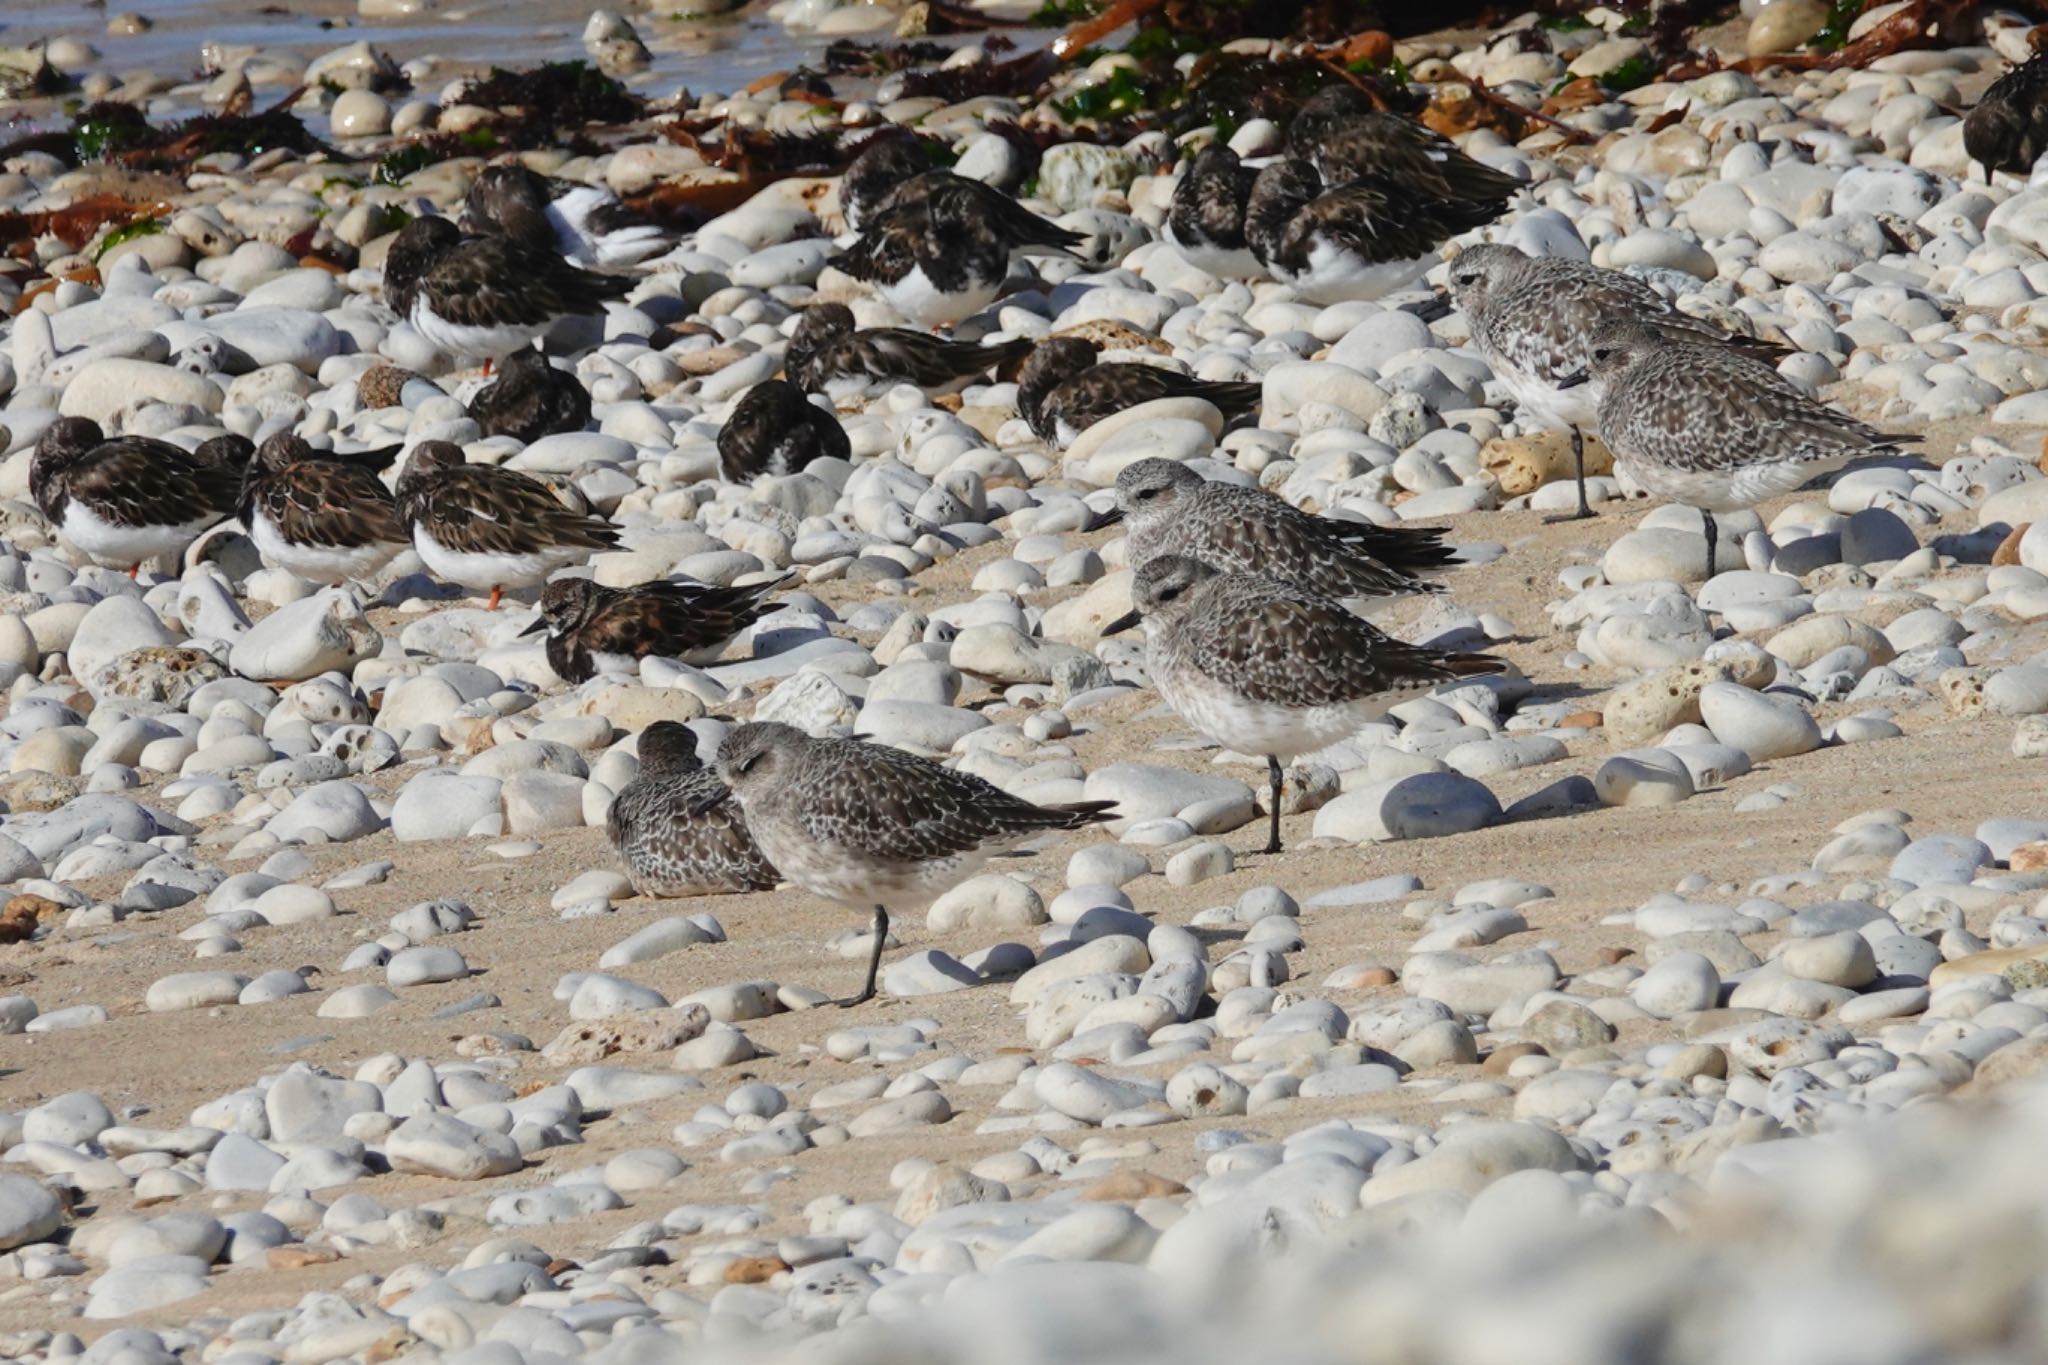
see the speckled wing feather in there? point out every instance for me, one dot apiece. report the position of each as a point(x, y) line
point(1248, 530)
point(139, 481)
point(1377, 220)
point(668, 619)
point(1695, 407)
point(1016, 225)
point(492, 281)
point(531, 399)
point(1104, 390)
point(898, 808)
point(327, 503)
point(1278, 643)
point(1397, 149)
point(480, 509)
point(683, 834)
point(896, 353)
point(1209, 202)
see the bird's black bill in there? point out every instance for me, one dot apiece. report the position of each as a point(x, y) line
point(540, 623)
point(1109, 518)
point(1572, 381)
point(1121, 624)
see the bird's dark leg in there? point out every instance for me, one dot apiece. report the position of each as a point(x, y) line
point(1713, 536)
point(1585, 511)
point(1273, 772)
point(880, 929)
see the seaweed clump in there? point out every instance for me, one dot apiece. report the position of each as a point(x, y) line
point(111, 133)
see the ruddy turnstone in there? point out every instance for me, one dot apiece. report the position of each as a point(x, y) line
point(1206, 221)
point(593, 629)
point(676, 827)
point(485, 297)
point(1348, 139)
point(481, 526)
point(940, 250)
point(885, 165)
point(530, 399)
point(129, 499)
point(774, 429)
point(1705, 426)
point(866, 825)
point(585, 223)
point(827, 355)
point(2008, 128)
point(1169, 509)
point(1363, 239)
point(1268, 667)
point(323, 517)
point(1534, 319)
point(1062, 390)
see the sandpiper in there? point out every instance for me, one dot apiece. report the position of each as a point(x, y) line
point(530, 399)
point(1269, 667)
point(594, 629)
point(483, 298)
point(1703, 425)
point(1363, 239)
point(585, 223)
point(325, 517)
point(676, 826)
point(128, 499)
point(481, 526)
point(774, 429)
point(1206, 221)
point(828, 355)
point(866, 825)
point(1169, 509)
point(1534, 319)
point(1063, 390)
point(2008, 128)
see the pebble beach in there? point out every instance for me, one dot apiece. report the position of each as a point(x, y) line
point(1678, 993)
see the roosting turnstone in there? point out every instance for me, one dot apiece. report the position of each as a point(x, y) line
point(940, 250)
point(1347, 139)
point(1062, 391)
point(485, 297)
point(2008, 128)
point(593, 629)
point(827, 355)
point(130, 499)
point(481, 526)
point(324, 517)
point(587, 224)
point(1363, 239)
point(530, 399)
point(774, 429)
point(1206, 221)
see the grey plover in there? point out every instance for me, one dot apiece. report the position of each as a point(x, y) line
point(866, 825)
point(774, 429)
point(940, 249)
point(482, 526)
point(1533, 318)
point(676, 826)
point(1269, 667)
point(2007, 130)
point(482, 298)
point(1362, 239)
point(1063, 390)
point(321, 516)
point(1169, 509)
point(1703, 425)
point(827, 354)
point(1206, 220)
point(530, 399)
point(593, 629)
point(126, 500)
point(585, 223)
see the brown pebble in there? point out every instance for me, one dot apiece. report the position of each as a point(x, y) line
point(1498, 1060)
point(2008, 552)
point(1608, 956)
point(1587, 720)
point(1129, 1186)
point(298, 1255)
point(380, 386)
point(2028, 858)
point(755, 1269)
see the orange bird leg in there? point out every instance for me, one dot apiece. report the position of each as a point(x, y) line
point(496, 593)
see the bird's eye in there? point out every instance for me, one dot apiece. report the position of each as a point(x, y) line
point(1169, 592)
point(746, 765)
point(1147, 494)
point(1466, 279)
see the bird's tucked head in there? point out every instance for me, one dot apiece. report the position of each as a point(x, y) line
point(282, 450)
point(820, 323)
point(666, 747)
point(755, 757)
point(566, 603)
point(66, 439)
point(1995, 135)
point(412, 254)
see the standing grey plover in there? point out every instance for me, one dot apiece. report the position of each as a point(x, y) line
point(1706, 426)
point(128, 499)
point(594, 629)
point(482, 526)
point(2008, 128)
point(676, 826)
point(1533, 318)
point(1268, 667)
point(1168, 509)
point(866, 825)
point(1063, 390)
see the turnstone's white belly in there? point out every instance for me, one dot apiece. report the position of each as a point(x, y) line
point(1336, 274)
point(327, 564)
point(125, 545)
point(466, 342)
point(915, 296)
point(569, 216)
point(1225, 263)
point(477, 569)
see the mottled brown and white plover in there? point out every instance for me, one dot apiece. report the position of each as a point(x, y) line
point(676, 826)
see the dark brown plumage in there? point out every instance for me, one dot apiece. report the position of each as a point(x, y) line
point(827, 355)
point(129, 499)
point(1347, 139)
point(485, 296)
point(325, 517)
point(1362, 239)
point(530, 399)
point(486, 527)
point(1062, 391)
point(592, 628)
point(2008, 128)
point(774, 429)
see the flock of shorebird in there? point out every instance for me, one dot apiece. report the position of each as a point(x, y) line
point(1244, 598)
